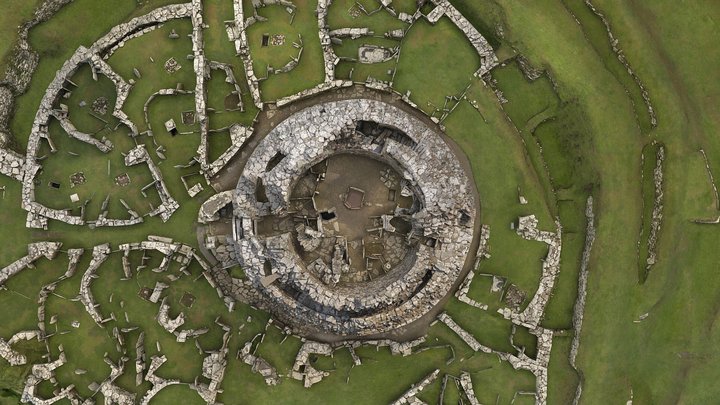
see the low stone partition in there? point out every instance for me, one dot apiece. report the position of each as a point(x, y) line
point(163, 317)
point(213, 369)
point(103, 145)
point(238, 135)
point(12, 164)
point(99, 255)
point(236, 33)
point(579, 307)
point(488, 60)
point(201, 70)
point(158, 383)
point(259, 365)
point(535, 310)
point(330, 58)
point(467, 387)
point(410, 396)
point(35, 251)
point(463, 334)
point(101, 49)
point(209, 210)
point(140, 155)
point(310, 375)
point(12, 356)
point(482, 252)
point(45, 372)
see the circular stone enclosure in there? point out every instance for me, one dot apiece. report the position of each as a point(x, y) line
point(353, 218)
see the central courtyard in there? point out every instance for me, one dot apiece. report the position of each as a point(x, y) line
point(355, 201)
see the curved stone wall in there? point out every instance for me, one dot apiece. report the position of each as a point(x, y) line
point(446, 216)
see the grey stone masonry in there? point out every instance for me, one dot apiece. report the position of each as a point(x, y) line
point(447, 215)
point(112, 393)
point(12, 164)
point(410, 396)
point(44, 372)
point(463, 334)
point(352, 33)
point(236, 33)
point(140, 155)
point(201, 70)
point(209, 210)
point(158, 383)
point(99, 255)
point(320, 88)
point(94, 55)
point(462, 292)
point(35, 251)
point(539, 366)
point(579, 307)
point(213, 369)
point(330, 58)
point(163, 317)
point(533, 313)
point(13, 357)
point(238, 135)
point(488, 60)
point(310, 375)
point(259, 365)
point(104, 145)
point(467, 387)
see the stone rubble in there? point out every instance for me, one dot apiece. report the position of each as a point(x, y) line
point(579, 307)
point(168, 206)
point(488, 60)
point(302, 370)
point(13, 357)
point(213, 368)
point(447, 217)
point(467, 387)
point(410, 396)
point(99, 255)
point(35, 251)
point(533, 313)
point(236, 33)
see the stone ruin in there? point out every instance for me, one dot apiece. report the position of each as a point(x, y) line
point(441, 220)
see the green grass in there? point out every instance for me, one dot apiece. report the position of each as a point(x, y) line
point(379, 22)
point(587, 126)
point(448, 72)
point(597, 36)
point(309, 72)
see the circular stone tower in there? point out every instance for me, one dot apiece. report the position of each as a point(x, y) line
point(352, 219)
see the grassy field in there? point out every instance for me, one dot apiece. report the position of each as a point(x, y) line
point(578, 130)
point(10, 19)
